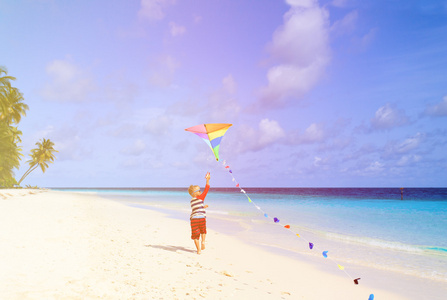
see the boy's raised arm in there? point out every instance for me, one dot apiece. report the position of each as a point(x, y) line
point(207, 177)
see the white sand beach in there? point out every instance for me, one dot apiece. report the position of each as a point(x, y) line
point(61, 245)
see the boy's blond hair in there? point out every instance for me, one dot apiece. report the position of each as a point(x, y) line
point(192, 188)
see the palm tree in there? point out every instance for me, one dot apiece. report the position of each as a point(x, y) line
point(40, 156)
point(4, 84)
point(10, 154)
point(12, 108)
point(5, 80)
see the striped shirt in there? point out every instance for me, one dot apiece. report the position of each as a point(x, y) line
point(198, 206)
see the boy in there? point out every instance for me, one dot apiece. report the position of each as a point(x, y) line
point(198, 214)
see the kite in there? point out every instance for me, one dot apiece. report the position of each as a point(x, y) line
point(212, 134)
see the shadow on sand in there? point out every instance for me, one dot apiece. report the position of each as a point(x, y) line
point(171, 248)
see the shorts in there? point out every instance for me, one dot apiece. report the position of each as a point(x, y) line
point(198, 227)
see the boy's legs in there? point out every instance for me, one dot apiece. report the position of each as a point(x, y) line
point(203, 232)
point(197, 243)
point(195, 233)
point(198, 229)
point(203, 235)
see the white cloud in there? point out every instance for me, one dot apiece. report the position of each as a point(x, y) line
point(408, 159)
point(164, 71)
point(135, 149)
point(313, 134)
point(301, 47)
point(68, 82)
point(44, 133)
point(439, 109)
point(229, 84)
point(367, 39)
point(159, 126)
point(393, 150)
point(118, 88)
point(69, 148)
point(267, 133)
point(153, 10)
point(375, 167)
point(410, 143)
point(387, 117)
point(123, 130)
point(345, 25)
point(302, 3)
point(176, 29)
point(339, 3)
point(222, 102)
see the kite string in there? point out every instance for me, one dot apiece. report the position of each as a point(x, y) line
point(286, 226)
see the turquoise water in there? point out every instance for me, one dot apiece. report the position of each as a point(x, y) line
point(362, 227)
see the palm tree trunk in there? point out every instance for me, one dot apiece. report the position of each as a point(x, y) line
point(32, 168)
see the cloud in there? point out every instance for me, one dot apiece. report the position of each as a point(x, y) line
point(393, 149)
point(345, 25)
point(123, 130)
point(387, 117)
point(321, 163)
point(313, 134)
point(229, 84)
point(408, 159)
point(69, 148)
point(339, 3)
point(301, 46)
point(367, 39)
point(438, 110)
point(302, 3)
point(348, 26)
point(118, 89)
point(164, 71)
point(68, 82)
point(135, 149)
point(153, 10)
point(267, 133)
point(363, 151)
point(159, 126)
point(375, 167)
point(222, 102)
point(176, 29)
point(270, 132)
point(410, 143)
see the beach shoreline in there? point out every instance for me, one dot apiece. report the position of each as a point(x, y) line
point(63, 245)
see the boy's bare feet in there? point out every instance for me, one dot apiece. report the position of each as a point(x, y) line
point(203, 245)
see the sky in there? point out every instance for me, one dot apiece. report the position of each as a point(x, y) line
point(335, 93)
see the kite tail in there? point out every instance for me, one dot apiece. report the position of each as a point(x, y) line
point(311, 245)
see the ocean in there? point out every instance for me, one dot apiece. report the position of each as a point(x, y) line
point(361, 227)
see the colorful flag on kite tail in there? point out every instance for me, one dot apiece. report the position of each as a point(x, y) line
point(212, 134)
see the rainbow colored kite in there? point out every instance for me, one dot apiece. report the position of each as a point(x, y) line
point(212, 134)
